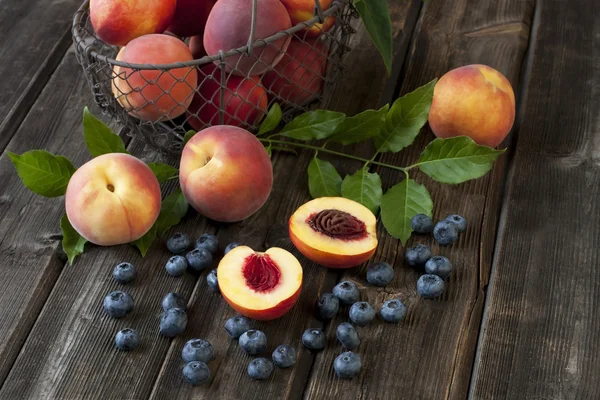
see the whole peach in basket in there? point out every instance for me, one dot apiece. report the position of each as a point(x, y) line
point(304, 10)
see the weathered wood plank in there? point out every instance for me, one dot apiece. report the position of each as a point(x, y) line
point(35, 36)
point(430, 355)
point(540, 334)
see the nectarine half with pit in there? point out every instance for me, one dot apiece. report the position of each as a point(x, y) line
point(261, 286)
point(334, 232)
point(475, 101)
point(113, 199)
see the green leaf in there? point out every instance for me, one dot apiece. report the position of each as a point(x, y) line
point(402, 202)
point(376, 17)
point(72, 243)
point(163, 172)
point(456, 160)
point(360, 127)
point(188, 135)
point(43, 172)
point(144, 243)
point(405, 119)
point(99, 138)
point(271, 121)
point(313, 125)
point(173, 209)
point(323, 179)
point(364, 188)
point(269, 150)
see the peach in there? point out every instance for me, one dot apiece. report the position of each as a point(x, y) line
point(197, 47)
point(118, 22)
point(334, 232)
point(304, 10)
point(475, 101)
point(261, 286)
point(225, 173)
point(113, 199)
point(228, 28)
point(299, 76)
point(155, 95)
point(190, 17)
point(245, 100)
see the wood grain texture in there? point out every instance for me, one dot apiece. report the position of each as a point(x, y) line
point(430, 354)
point(35, 36)
point(540, 334)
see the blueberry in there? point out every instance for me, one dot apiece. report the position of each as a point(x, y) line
point(362, 313)
point(460, 222)
point(421, 223)
point(176, 265)
point(284, 356)
point(198, 350)
point(417, 256)
point(445, 233)
point(173, 322)
point(199, 259)
point(127, 339)
point(439, 266)
point(346, 292)
point(253, 342)
point(235, 326)
point(347, 336)
point(230, 247)
point(260, 368)
point(117, 304)
point(393, 311)
point(173, 300)
point(327, 306)
point(196, 373)
point(347, 365)
point(430, 286)
point(314, 339)
point(380, 274)
point(208, 242)
point(178, 243)
point(211, 280)
point(124, 272)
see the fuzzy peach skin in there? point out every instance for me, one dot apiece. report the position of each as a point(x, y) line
point(225, 173)
point(304, 10)
point(475, 101)
point(228, 28)
point(299, 75)
point(190, 17)
point(113, 199)
point(155, 95)
point(118, 22)
point(245, 100)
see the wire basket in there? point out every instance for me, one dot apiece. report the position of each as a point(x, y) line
point(160, 103)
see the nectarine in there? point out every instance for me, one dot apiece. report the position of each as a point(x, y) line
point(475, 101)
point(197, 47)
point(225, 173)
point(113, 199)
point(304, 10)
point(190, 17)
point(118, 22)
point(261, 286)
point(334, 232)
point(228, 28)
point(154, 95)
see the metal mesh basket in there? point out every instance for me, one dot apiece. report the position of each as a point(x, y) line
point(160, 103)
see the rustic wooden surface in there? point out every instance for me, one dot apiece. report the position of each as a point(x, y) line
point(533, 336)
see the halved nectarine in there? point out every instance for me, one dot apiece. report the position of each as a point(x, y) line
point(334, 232)
point(261, 286)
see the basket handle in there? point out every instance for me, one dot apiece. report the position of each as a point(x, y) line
point(319, 11)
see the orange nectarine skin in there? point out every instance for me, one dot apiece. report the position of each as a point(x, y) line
point(117, 22)
point(268, 314)
point(475, 101)
point(113, 199)
point(304, 10)
point(190, 17)
point(154, 95)
point(225, 173)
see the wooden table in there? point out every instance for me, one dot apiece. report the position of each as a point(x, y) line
point(521, 318)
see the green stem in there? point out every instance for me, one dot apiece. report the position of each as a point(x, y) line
point(337, 153)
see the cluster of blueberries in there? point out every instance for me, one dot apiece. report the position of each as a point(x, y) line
point(437, 268)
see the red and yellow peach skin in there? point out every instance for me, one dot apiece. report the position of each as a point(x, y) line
point(113, 199)
point(304, 10)
point(475, 101)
